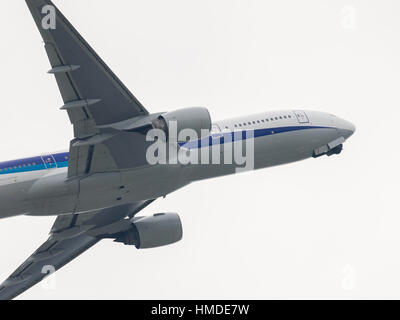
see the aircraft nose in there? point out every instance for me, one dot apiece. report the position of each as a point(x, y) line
point(346, 128)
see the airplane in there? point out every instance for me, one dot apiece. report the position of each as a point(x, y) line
point(98, 186)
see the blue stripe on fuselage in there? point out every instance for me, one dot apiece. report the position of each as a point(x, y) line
point(219, 138)
point(61, 159)
point(33, 164)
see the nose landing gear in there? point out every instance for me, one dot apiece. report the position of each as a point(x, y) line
point(327, 151)
point(335, 150)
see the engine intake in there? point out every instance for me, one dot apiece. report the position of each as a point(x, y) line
point(196, 118)
point(158, 230)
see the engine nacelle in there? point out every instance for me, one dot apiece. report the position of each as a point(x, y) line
point(196, 118)
point(158, 230)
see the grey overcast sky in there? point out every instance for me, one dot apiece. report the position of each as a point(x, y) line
point(321, 228)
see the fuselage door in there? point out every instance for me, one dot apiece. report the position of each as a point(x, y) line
point(49, 161)
point(216, 131)
point(301, 116)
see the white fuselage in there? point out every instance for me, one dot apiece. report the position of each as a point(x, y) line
point(279, 137)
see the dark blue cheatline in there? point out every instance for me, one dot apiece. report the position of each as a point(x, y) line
point(219, 138)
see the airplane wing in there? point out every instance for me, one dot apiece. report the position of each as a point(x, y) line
point(70, 236)
point(93, 95)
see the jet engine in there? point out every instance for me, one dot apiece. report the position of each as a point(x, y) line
point(196, 118)
point(158, 230)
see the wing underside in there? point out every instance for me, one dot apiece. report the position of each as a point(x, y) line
point(92, 94)
point(70, 236)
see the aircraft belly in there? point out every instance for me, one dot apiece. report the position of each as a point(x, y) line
point(100, 190)
point(154, 181)
point(13, 200)
point(53, 194)
point(14, 194)
point(270, 150)
point(104, 190)
point(289, 147)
